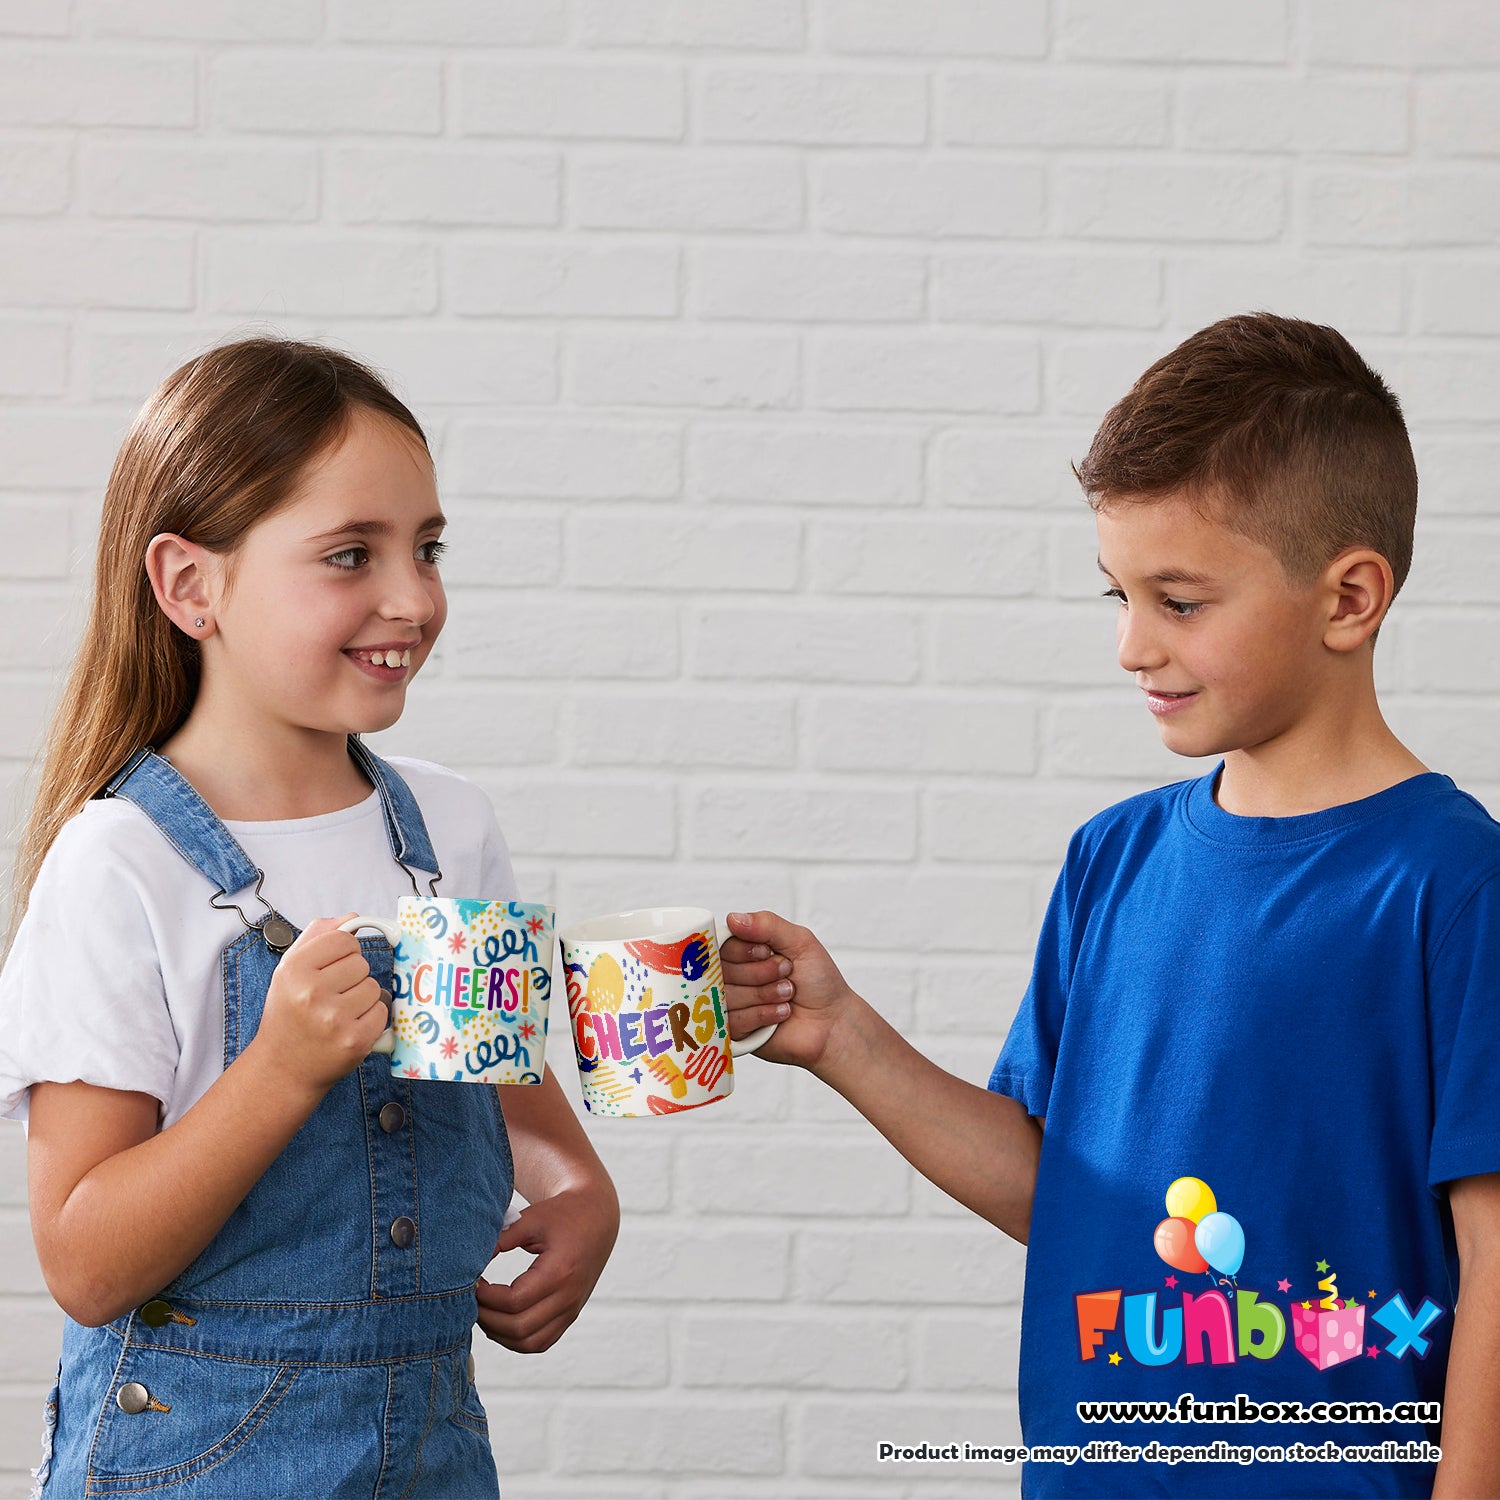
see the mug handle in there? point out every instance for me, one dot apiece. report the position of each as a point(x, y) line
point(762, 1034)
point(391, 931)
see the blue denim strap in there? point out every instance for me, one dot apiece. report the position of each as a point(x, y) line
point(403, 818)
point(192, 827)
point(186, 821)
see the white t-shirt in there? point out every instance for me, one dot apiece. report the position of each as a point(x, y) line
point(114, 977)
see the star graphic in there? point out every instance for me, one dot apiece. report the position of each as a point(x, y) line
point(1323, 1265)
point(1114, 1358)
point(528, 1031)
point(1372, 1350)
point(536, 924)
point(413, 1072)
point(449, 1047)
point(1350, 1302)
point(1306, 1305)
point(635, 1073)
point(1170, 1281)
point(1372, 1292)
point(1283, 1285)
point(456, 942)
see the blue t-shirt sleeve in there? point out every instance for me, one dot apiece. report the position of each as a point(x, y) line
point(1025, 1067)
point(1464, 1017)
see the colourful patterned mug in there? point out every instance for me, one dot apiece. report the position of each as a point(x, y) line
point(469, 990)
point(646, 1005)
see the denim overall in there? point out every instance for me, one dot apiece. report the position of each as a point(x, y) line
point(319, 1346)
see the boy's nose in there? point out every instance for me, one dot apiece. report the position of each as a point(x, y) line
point(1140, 650)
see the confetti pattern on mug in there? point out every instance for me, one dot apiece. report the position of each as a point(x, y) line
point(471, 988)
point(650, 1027)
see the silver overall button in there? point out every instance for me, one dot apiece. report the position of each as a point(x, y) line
point(278, 934)
point(403, 1233)
point(392, 1117)
point(133, 1399)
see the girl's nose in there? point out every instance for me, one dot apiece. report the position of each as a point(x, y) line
point(411, 597)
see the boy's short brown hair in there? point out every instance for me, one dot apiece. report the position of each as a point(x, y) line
point(1282, 433)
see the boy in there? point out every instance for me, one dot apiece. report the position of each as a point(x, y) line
point(1245, 1115)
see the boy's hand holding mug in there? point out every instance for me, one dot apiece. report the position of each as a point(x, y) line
point(775, 971)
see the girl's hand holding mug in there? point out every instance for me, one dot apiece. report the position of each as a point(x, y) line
point(324, 1010)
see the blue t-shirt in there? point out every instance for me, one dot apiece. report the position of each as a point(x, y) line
point(1289, 1028)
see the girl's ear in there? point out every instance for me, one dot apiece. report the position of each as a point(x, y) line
point(181, 577)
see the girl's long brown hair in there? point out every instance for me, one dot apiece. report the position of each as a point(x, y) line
point(217, 448)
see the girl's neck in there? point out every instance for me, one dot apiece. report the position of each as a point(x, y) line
point(254, 779)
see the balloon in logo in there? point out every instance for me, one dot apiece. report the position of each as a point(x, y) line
point(1221, 1242)
point(1174, 1243)
point(1190, 1198)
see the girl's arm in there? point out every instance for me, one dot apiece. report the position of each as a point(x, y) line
point(1470, 1464)
point(570, 1222)
point(979, 1147)
point(118, 1209)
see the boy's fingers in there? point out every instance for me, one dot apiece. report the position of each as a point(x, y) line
point(767, 971)
point(752, 1017)
point(741, 996)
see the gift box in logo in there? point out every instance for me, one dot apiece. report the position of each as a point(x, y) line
point(1327, 1336)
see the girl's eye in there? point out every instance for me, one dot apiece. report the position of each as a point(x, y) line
point(1182, 608)
point(434, 551)
point(1114, 594)
point(347, 560)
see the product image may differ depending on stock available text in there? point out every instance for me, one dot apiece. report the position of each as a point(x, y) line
point(471, 985)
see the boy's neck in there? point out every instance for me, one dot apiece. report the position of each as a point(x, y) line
point(1308, 771)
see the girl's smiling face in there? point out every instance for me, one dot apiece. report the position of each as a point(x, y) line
point(332, 603)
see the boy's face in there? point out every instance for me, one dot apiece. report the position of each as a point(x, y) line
point(1228, 651)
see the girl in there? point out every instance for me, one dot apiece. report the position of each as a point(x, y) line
point(269, 1249)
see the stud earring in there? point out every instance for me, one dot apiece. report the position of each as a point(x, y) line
point(199, 622)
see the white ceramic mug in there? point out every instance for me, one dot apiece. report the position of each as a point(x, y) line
point(646, 1006)
point(470, 986)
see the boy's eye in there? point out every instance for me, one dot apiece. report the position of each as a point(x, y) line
point(1114, 594)
point(1182, 607)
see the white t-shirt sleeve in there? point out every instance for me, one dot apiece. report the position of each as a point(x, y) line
point(81, 994)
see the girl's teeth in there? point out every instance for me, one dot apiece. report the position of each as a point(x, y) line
point(393, 658)
point(388, 658)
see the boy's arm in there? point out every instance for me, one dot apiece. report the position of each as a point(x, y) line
point(1470, 1464)
point(569, 1224)
point(979, 1147)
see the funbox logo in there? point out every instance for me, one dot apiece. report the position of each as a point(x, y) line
point(1223, 1322)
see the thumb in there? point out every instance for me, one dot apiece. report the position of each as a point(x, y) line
point(766, 927)
point(521, 1235)
point(319, 925)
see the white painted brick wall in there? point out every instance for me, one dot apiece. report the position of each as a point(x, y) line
point(755, 338)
